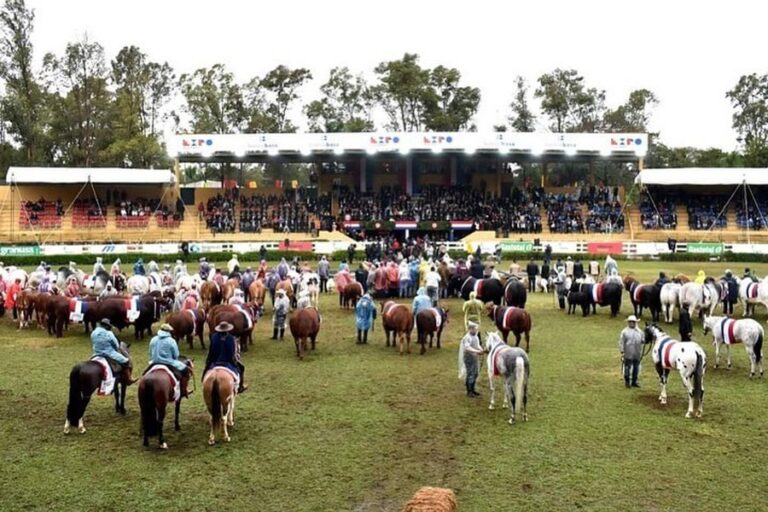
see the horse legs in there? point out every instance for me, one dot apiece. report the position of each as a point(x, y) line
point(231, 411)
point(212, 434)
point(509, 398)
point(312, 339)
point(492, 405)
point(728, 348)
point(225, 421)
point(663, 374)
point(176, 424)
point(506, 335)
point(689, 388)
point(160, 419)
point(517, 339)
point(83, 407)
point(525, 400)
point(717, 354)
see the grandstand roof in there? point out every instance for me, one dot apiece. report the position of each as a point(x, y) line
point(703, 176)
point(104, 175)
point(306, 146)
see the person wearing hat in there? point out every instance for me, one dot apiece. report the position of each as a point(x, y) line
point(686, 327)
point(204, 269)
point(748, 274)
point(12, 294)
point(105, 344)
point(138, 268)
point(661, 281)
point(233, 266)
point(469, 362)
point(98, 266)
point(365, 315)
point(732, 292)
point(282, 307)
point(238, 298)
point(224, 351)
point(73, 289)
point(630, 346)
point(164, 350)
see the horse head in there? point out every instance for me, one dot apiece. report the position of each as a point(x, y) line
point(651, 332)
point(490, 309)
point(628, 281)
point(492, 340)
point(709, 323)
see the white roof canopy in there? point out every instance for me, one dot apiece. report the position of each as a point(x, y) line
point(95, 175)
point(703, 176)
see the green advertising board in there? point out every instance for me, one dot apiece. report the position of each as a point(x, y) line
point(19, 250)
point(516, 246)
point(711, 248)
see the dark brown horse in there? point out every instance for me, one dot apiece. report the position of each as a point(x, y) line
point(188, 323)
point(511, 319)
point(427, 325)
point(57, 315)
point(398, 320)
point(41, 305)
point(304, 324)
point(243, 318)
point(25, 307)
point(351, 294)
point(156, 391)
point(210, 294)
point(84, 379)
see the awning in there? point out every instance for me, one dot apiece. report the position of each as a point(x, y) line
point(703, 176)
point(96, 175)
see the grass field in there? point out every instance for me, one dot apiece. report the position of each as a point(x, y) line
point(361, 428)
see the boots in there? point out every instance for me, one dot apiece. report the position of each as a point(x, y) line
point(359, 339)
point(274, 333)
point(365, 337)
point(282, 332)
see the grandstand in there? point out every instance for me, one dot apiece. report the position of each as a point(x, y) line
point(451, 186)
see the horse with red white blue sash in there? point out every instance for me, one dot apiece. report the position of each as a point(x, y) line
point(512, 364)
point(688, 358)
point(751, 294)
point(643, 296)
point(510, 318)
point(729, 331)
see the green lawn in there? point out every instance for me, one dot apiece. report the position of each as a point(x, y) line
point(361, 428)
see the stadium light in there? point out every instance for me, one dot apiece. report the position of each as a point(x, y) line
point(537, 151)
point(305, 152)
point(371, 151)
point(605, 153)
point(437, 150)
point(570, 151)
point(338, 151)
point(470, 151)
point(403, 150)
point(240, 153)
point(272, 152)
point(504, 150)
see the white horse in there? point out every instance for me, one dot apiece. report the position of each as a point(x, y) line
point(137, 285)
point(729, 331)
point(700, 297)
point(10, 274)
point(513, 365)
point(688, 358)
point(751, 293)
point(155, 281)
point(670, 294)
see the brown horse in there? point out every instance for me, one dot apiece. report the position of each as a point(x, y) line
point(513, 319)
point(286, 285)
point(156, 391)
point(228, 290)
point(41, 305)
point(210, 294)
point(25, 307)
point(397, 319)
point(351, 294)
point(257, 291)
point(219, 391)
point(57, 315)
point(236, 316)
point(188, 323)
point(427, 325)
point(681, 278)
point(84, 379)
point(304, 324)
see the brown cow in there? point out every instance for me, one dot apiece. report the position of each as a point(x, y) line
point(188, 323)
point(304, 324)
point(235, 316)
point(210, 295)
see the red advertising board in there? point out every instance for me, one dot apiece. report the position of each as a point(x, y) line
point(604, 247)
point(295, 246)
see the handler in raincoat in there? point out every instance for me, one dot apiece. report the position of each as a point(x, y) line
point(421, 301)
point(365, 314)
point(473, 310)
point(700, 277)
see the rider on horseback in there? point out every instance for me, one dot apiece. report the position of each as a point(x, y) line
point(98, 266)
point(105, 345)
point(138, 268)
point(224, 352)
point(205, 269)
point(115, 270)
point(164, 350)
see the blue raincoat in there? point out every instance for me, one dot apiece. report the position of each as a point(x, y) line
point(138, 268)
point(282, 269)
point(421, 301)
point(365, 313)
point(413, 268)
point(105, 344)
point(163, 350)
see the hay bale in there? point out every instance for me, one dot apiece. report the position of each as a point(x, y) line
point(432, 499)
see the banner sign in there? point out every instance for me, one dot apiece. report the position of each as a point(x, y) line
point(705, 248)
point(516, 246)
point(19, 250)
point(605, 247)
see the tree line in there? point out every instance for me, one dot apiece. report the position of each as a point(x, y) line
point(78, 108)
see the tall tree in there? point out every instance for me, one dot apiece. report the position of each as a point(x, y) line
point(404, 85)
point(345, 106)
point(634, 115)
point(23, 104)
point(750, 118)
point(568, 103)
point(279, 90)
point(448, 106)
point(521, 119)
point(81, 114)
point(213, 100)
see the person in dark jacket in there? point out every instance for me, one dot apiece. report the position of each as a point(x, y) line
point(476, 268)
point(361, 276)
point(661, 281)
point(578, 269)
point(686, 327)
point(532, 270)
point(224, 351)
point(732, 297)
point(545, 270)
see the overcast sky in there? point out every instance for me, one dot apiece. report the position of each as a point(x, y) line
point(688, 53)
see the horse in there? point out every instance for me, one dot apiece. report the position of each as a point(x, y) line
point(351, 294)
point(219, 392)
point(243, 318)
point(513, 319)
point(729, 331)
point(669, 296)
point(429, 322)
point(310, 281)
point(304, 324)
point(515, 293)
point(25, 307)
point(642, 296)
point(210, 295)
point(257, 291)
point(157, 388)
point(751, 294)
point(486, 290)
point(513, 365)
point(687, 357)
point(286, 285)
point(138, 285)
point(681, 278)
point(188, 323)
point(700, 297)
point(398, 320)
point(85, 378)
point(593, 294)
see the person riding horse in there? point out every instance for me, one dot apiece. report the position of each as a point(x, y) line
point(163, 350)
point(98, 266)
point(473, 310)
point(204, 269)
point(105, 344)
point(223, 351)
point(661, 281)
point(138, 268)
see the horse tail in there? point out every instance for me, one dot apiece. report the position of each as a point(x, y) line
point(698, 377)
point(149, 422)
point(519, 383)
point(215, 404)
point(75, 404)
point(758, 348)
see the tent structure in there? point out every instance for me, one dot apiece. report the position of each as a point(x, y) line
point(93, 175)
point(704, 176)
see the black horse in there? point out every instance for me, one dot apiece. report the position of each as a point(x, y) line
point(643, 296)
point(84, 379)
point(515, 293)
point(486, 290)
point(600, 294)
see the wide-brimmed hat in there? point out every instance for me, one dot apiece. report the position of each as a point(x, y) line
point(632, 318)
point(472, 325)
point(224, 327)
point(106, 323)
point(166, 327)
